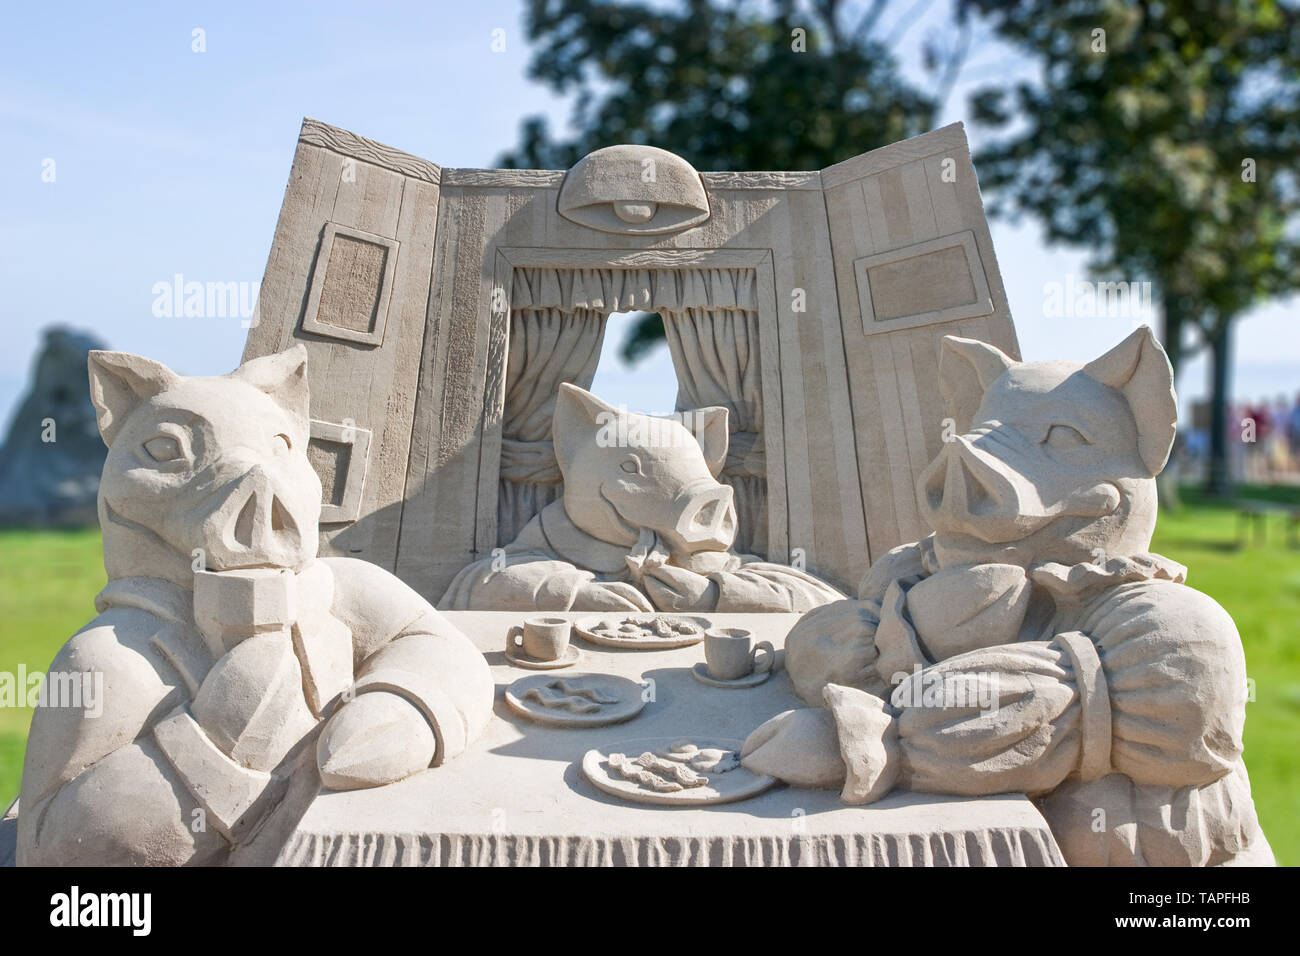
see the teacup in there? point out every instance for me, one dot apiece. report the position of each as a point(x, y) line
point(730, 653)
point(544, 638)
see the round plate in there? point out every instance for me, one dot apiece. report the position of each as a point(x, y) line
point(586, 625)
point(615, 698)
point(701, 673)
point(570, 657)
point(735, 784)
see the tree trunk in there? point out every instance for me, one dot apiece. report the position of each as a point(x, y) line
point(1173, 321)
point(1220, 475)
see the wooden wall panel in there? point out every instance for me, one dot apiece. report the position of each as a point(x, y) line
point(370, 387)
point(879, 202)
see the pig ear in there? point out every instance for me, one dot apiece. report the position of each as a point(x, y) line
point(710, 428)
point(120, 381)
point(283, 376)
point(966, 368)
point(577, 414)
point(1140, 369)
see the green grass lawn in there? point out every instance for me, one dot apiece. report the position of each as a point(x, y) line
point(49, 579)
point(1259, 585)
point(48, 583)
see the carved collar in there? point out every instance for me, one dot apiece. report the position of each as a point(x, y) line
point(1074, 582)
point(576, 546)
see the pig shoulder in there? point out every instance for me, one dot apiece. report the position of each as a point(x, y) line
point(1164, 618)
point(130, 683)
point(1176, 676)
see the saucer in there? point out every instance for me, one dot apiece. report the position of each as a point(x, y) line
point(517, 657)
point(701, 673)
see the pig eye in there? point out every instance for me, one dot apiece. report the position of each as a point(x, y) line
point(282, 443)
point(163, 448)
point(631, 465)
point(1065, 436)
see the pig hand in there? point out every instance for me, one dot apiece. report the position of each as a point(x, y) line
point(610, 596)
point(800, 747)
point(378, 738)
point(676, 589)
point(646, 554)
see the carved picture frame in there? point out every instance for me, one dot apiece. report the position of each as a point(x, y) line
point(980, 304)
point(312, 320)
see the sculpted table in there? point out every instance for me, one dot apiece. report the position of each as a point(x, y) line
point(518, 797)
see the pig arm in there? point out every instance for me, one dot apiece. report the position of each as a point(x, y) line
point(836, 642)
point(403, 647)
point(1155, 690)
point(753, 586)
point(537, 581)
point(98, 789)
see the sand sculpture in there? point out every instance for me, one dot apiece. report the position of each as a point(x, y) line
point(234, 665)
point(1033, 643)
point(642, 524)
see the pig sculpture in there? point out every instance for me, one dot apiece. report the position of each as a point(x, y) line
point(643, 524)
point(235, 668)
point(1032, 642)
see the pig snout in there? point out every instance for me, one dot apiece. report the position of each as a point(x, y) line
point(707, 521)
point(980, 486)
point(252, 524)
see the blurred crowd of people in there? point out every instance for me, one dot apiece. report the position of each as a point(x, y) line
point(1263, 440)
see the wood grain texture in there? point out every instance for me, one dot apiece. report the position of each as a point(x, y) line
point(951, 137)
point(420, 538)
point(371, 387)
point(503, 178)
point(811, 181)
point(350, 144)
point(308, 202)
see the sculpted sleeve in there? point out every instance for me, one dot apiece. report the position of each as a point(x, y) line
point(404, 646)
point(763, 586)
point(1152, 686)
point(836, 643)
point(96, 786)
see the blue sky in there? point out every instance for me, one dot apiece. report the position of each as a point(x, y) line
point(170, 161)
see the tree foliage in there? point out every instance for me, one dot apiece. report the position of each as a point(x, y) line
point(726, 85)
point(1166, 138)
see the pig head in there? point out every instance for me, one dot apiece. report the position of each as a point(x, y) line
point(1052, 461)
point(211, 469)
point(628, 475)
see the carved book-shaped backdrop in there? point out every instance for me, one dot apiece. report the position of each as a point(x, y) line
point(442, 309)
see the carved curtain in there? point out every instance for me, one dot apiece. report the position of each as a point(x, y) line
point(557, 326)
point(547, 346)
point(715, 353)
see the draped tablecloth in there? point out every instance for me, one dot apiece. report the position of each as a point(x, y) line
point(518, 797)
